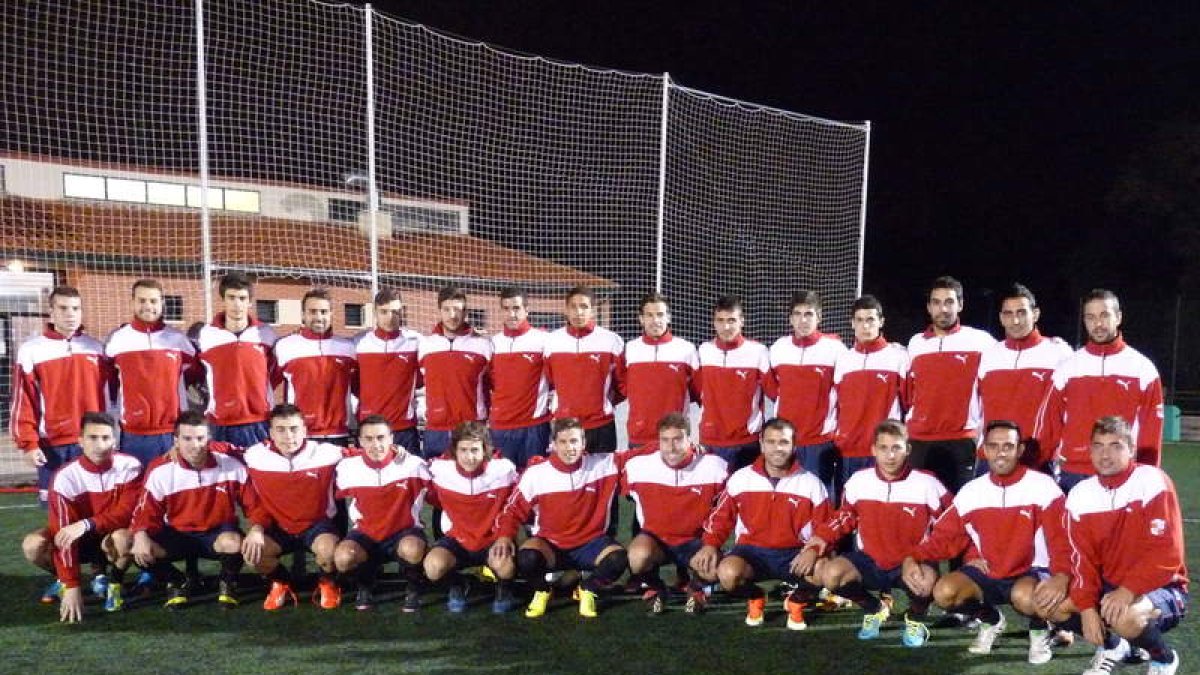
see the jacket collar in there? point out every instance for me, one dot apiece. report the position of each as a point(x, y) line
point(309, 335)
point(143, 327)
point(1032, 340)
point(1108, 348)
point(219, 321)
point(872, 346)
point(760, 466)
point(438, 329)
point(731, 345)
point(386, 334)
point(564, 467)
point(904, 473)
point(388, 457)
point(1114, 482)
point(518, 331)
point(581, 332)
point(471, 474)
point(1011, 479)
point(210, 461)
point(53, 334)
point(808, 340)
point(93, 467)
point(660, 340)
point(931, 333)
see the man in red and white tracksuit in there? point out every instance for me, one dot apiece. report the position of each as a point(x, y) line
point(519, 417)
point(57, 377)
point(91, 501)
point(289, 503)
point(385, 488)
point(319, 370)
point(1129, 580)
point(153, 363)
point(569, 496)
point(581, 364)
point(388, 371)
point(655, 372)
point(1009, 523)
point(239, 366)
point(801, 382)
point(772, 506)
point(944, 410)
point(188, 508)
point(869, 383)
point(1105, 377)
point(733, 371)
point(1016, 373)
point(674, 487)
point(454, 360)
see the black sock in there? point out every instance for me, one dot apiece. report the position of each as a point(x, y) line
point(192, 565)
point(280, 574)
point(857, 593)
point(116, 575)
point(531, 565)
point(748, 590)
point(1111, 640)
point(1037, 623)
point(1073, 623)
point(918, 606)
point(989, 615)
point(167, 572)
point(1152, 641)
point(364, 575)
point(804, 591)
point(611, 567)
point(652, 579)
point(231, 566)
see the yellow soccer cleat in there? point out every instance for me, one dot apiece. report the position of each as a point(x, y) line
point(537, 606)
point(587, 603)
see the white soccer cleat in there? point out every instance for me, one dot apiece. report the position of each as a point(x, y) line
point(1039, 647)
point(1157, 668)
point(1106, 660)
point(987, 635)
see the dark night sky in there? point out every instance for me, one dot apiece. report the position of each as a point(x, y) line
point(998, 133)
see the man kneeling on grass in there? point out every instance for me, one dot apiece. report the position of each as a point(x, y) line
point(570, 493)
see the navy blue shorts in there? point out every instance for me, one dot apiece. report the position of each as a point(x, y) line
point(874, 578)
point(462, 556)
point(383, 551)
point(56, 456)
point(995, 591)
point(435, 443)
point(521, 445)
point(290, 543)
point(146, 448)
point(767, 563)
point(409, 439)
point(581, 557)
point(680, 554)
point(737, 456)
point(180, 545)
point(821, 459)
point(601, 439)
point(241, 435)
point(1171, 601)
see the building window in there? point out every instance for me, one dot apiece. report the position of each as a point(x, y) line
point(546, 320)
point(172, 308)
point(83, 187)
point(345, 210)
point(355, 316)
point(267, 311)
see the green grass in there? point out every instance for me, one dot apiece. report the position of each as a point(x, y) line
point(205, 639)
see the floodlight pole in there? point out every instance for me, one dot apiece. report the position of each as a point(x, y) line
point(202, 134)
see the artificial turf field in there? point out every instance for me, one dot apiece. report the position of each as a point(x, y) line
point(147, 639)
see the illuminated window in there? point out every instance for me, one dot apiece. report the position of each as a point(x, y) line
point(167, 194)
point(127, 190)
point(83, 187)
point(215, 197)
point(241, 200)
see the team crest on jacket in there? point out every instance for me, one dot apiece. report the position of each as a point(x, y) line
point(1157, 527)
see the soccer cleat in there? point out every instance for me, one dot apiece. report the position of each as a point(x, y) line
point(456, 600)
point(795, 614)
point(916, 633)
point(1159, 668)
point(828, 601)
point(1062, 638)
point(278, 596)
point(697, 602)
point(52, 593)
point(1104, 661)
point(1039, 647)
point(100, 586)
point(364, 600)
point(953, 620)
point(328, 594)
point(113, 602)
point(227, 594)
point(587, 603)
point(486, 574)
point(412, 600)
point(504, 601)
point(654, 602)
point(987, 635)
point(178, 596)
point(754, 611)
point(143, 585)
point(871, 623)
point(537, 605)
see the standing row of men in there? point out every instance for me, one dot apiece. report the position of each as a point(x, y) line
point(949, 382)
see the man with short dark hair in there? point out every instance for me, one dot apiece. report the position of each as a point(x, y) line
point(1104, 377)
point(655, 371)
point(454, 359)
point(239, 365)
point(320, 373)
point(519, 416)
point(153, 362)
point(91, 501)
point(733, 370)
point(57, 377)
point(388, 371)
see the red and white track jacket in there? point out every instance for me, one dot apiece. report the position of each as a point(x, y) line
point(655, 375)
point(1125, 530)
point(730, 381)
point(320, 377)
point(290, 493)
point(179, 496)
point(801, 383)
point(453, 367)
point(388, 376)
point(570, 504)
point(102, 494)
point(1014, 377)
point(1097, 381)
point(153, 364)
point(239, 368)
point(673, 502)
point(1013, 522)
point(384, 497)
point(581, 364)
point(942, 383)
point(471, 502)
point(869, 382)
point(520, 390)
point(888, 516)
point(56, 379)
point(761, 514)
